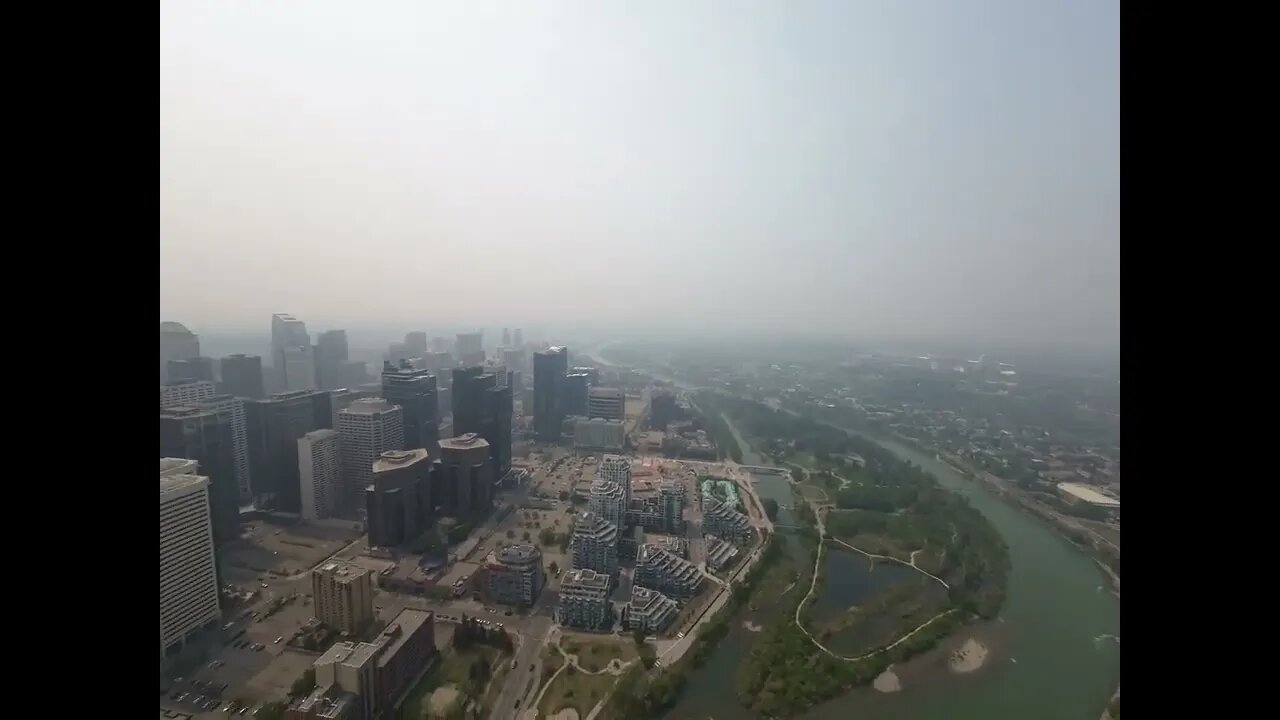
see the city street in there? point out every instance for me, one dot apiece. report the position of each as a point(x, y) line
point(536, 629)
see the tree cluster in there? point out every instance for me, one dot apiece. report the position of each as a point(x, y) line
point(470, 632)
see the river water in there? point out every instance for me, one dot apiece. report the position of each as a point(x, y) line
point(1050, 663)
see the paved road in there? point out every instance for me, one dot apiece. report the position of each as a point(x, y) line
point(537, 628)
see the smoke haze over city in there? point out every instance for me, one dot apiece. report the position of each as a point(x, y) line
point(928, 169)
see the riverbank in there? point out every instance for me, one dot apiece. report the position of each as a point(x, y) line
point(1004, 489)
point(969, 657)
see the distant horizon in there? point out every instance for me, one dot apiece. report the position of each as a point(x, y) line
point(375, 336)
point(852, 170)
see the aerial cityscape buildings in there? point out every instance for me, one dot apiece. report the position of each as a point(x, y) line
point(320, 472)
point(366, 428)
point(242, 376)
point(415, 391)
point(205, 436)
point(273, 426)
point(176, 343)
point(398, 500)
point(549, 370)
point(188, 569)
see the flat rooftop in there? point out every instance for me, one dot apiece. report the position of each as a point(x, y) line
point(173, 483)
point(1088, 494)
point(401, 628)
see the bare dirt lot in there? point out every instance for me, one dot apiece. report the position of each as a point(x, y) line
point(265, 546)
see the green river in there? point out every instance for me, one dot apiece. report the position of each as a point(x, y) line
point(1054, 649)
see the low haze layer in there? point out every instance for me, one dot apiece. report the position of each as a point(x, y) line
point(925, 169)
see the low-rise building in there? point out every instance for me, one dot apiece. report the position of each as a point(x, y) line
point(376, 673)
point(407, 643)
point(671, 574)
point(723, 521)
point(719, 552)
point(584, 599)
point(325, 703)
point(1078, 493)
point(674, 545)
point(342, 595)
point(650, 610)
point(598, 434)
point(514, 575)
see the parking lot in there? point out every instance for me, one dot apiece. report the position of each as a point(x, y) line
point(266, 547)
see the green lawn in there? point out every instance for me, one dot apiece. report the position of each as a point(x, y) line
point(594, 654)
point(453, 667)
point(576, 690)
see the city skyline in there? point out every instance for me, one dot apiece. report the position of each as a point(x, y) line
point(923, 169)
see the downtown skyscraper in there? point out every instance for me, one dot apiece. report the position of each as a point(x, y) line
point(549, 369)
point(416, 393)
point(292, 356)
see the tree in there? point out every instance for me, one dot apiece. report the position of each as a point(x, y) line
point(770, 508)
point(525, 536)
point(638, 636)
point(564, 494)
point(271, 711)
point(547, 537)
point(511, 534)
point(303, 684)
point(554, 567)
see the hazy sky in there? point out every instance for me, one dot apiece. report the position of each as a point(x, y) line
point(860, 167)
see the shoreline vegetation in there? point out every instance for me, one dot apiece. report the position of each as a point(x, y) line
point(872, 499)
point(641, 695)
point(1107, 561)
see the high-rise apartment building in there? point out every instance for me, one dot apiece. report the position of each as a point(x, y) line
point(608, 501)
point(186, 393)
point(188, 569)
point(584, 600)
point(176, 343)
point(549, 369)
point(291, 353)
point(513, 575)
point(594, 542)
point(398, 501)
point(506, 337)
point(342, 594)
point(367, 428)
point(206, 437)
point(517, 338)
point(465, 477)
point(232, 408)
point(607, 403)
point(416, 393)
point(320, 472)
point(242, 376)
point(617, 469)
point(274, 426)
point(671, 497)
